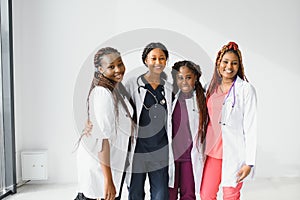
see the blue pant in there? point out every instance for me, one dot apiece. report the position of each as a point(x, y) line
point(158, 185)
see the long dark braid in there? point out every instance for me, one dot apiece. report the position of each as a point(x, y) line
point(117, 90)
point(201, 101)
point(99, 79)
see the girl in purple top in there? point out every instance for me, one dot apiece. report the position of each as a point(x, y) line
point(189, 126)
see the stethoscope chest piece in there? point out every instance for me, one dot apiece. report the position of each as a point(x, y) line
point(162, 102)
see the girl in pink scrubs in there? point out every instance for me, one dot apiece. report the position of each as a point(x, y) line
point(231, 132)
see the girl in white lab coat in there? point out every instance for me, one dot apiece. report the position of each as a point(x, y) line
point(232, 129)
point(189, 120)
point(102, 153)
point(152, 95)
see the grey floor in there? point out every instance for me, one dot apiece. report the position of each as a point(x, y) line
point(259, 189)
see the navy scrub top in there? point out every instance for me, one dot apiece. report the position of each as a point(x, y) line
point(152, 133)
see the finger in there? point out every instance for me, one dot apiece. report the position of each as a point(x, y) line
point(239, 176)
point(240, 172)
point(242, 177)
point(86, 133)
point(110, 196)
point(89, 124)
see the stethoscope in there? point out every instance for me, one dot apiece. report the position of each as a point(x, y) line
point(232, 89)
point(162, 102)
point(138, 84)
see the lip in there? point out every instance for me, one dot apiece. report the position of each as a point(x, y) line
point(228, 71)
point(118, 76)
point(157, 67)
point(185, 87)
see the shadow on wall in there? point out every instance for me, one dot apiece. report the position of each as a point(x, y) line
point(267, 28)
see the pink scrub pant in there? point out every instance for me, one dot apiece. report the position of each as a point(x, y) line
point(211, 180)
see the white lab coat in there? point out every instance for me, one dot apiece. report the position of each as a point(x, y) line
point(197, 154)
point(105, 126)
point(239, 131)
point(138, 95)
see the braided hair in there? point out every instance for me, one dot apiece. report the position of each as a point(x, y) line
point(231, 47)
point(200, 97)
point(117, 90)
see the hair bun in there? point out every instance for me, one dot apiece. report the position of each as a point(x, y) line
point(232, 45)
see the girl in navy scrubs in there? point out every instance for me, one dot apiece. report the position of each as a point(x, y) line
point(152, 95)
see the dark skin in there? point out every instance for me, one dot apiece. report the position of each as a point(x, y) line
point(113, 68)
point(156, 62)
point(228, 69)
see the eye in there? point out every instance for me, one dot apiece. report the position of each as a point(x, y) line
point(121, 64)
point(225, 61)
point(188, 77)
point(179, 78)
point(111, 67)
point(162, 58)
point(235, 63)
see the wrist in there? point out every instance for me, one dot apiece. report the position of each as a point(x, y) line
point(108, 181)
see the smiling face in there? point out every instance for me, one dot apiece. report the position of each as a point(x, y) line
point(229, 66)
point(156, 61)
point(112, 67)
point(185, 79)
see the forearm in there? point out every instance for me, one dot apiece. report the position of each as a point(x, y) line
point(104, 157)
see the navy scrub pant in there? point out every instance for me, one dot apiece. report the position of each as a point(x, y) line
point(158, 185)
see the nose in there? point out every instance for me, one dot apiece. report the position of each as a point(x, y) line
point(229, 65)
point(117, 69)
point(157, 61)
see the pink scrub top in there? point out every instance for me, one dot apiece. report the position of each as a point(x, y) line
point(214, 147)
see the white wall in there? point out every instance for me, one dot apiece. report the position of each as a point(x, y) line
point(53, 39)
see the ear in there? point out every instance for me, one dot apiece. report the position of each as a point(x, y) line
point(100, 69)
point(146, 61)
